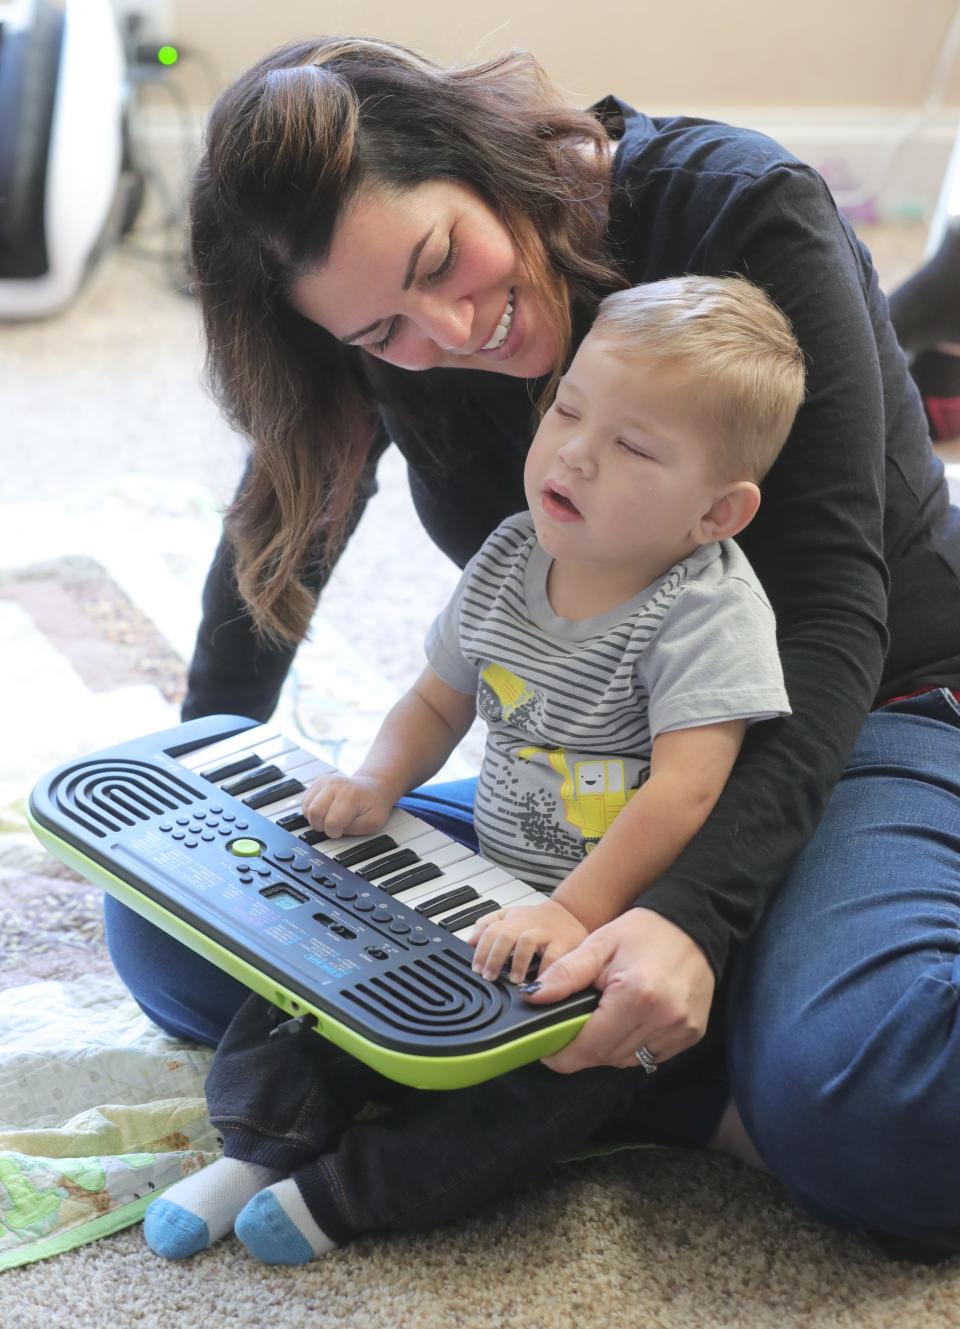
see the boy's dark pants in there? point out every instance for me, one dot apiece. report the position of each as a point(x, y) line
point(434, 1155)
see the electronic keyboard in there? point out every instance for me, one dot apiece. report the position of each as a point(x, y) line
point(361, 939)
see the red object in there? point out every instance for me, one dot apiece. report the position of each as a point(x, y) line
point(944, 414)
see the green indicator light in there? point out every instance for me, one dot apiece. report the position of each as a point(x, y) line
point(168, 55)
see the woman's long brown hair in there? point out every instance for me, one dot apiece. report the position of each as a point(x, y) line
point(288, 146)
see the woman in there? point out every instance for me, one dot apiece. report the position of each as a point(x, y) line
point(367, 228)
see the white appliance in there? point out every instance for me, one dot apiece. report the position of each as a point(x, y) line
point(63, 95)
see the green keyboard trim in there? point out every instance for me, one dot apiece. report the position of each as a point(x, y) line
point(453, 1072)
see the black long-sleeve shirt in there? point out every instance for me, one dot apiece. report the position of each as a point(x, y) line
point(855, 541)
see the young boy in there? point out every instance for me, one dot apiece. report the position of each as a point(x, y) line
point(618, 645)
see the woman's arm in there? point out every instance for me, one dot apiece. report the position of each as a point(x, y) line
point(817, 546)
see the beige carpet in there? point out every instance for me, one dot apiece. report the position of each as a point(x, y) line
point(122, 460)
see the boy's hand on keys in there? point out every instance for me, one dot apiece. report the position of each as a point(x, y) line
point(523, 931)
point(346, 804)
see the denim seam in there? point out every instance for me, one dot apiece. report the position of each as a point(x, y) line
point(330, 1173)
point(256, 1129)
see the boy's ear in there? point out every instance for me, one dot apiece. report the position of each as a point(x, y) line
point(733, 508)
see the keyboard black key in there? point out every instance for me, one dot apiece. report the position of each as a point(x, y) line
point(467, 917)
point(382, 867)
point(232, 768)
point(293, 821)
point(313, 837)
point(274, 793)
point(407, 880)
point(438, 904)
point(369, 849)
point(261, 776)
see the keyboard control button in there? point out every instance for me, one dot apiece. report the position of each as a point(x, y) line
point(382, 914)
point(399, 927)
point(347, 893)
point(246, 848)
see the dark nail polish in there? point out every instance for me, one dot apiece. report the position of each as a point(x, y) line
point(527, 988)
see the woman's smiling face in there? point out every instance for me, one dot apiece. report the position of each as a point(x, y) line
point(430, 278)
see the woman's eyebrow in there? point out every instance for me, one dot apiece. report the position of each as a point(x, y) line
point(415, 253)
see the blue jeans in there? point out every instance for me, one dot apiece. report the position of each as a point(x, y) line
point(843, 1021)
point(842, 1038)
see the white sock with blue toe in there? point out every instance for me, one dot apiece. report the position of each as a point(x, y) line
point(277, 1227)
point(193, 1213)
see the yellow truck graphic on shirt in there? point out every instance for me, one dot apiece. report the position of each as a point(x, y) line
point(509, 692)
point(593, 793)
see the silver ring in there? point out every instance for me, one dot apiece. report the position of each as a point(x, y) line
point(646, 1059)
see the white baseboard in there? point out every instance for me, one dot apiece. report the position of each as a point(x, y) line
point(850, 146)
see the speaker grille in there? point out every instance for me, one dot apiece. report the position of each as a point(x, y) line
point(110, 795)
point(437, 994)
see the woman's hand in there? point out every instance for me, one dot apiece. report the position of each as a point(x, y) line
point(657, 991)
point(341, 804)
point(545, 929)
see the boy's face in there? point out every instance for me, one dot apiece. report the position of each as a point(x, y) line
point(619, 471)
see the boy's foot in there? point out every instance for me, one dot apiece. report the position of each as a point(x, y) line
point(277, 1227)
point(201, 1209)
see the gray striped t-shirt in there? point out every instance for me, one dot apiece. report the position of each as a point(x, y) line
point(572, 706)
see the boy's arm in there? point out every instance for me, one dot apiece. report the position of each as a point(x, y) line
point(688, 770)
point(418, 734)
point(415, 739)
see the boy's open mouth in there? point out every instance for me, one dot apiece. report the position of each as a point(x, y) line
point(558, 504)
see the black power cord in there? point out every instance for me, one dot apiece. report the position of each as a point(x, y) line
point(157, 65)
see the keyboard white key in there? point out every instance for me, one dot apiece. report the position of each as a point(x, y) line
point(204, 759)
point(498, 895)
point(400, 825)
point(458, 866)
point(486, 884)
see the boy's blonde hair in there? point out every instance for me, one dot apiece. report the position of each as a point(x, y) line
point(730, 337)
